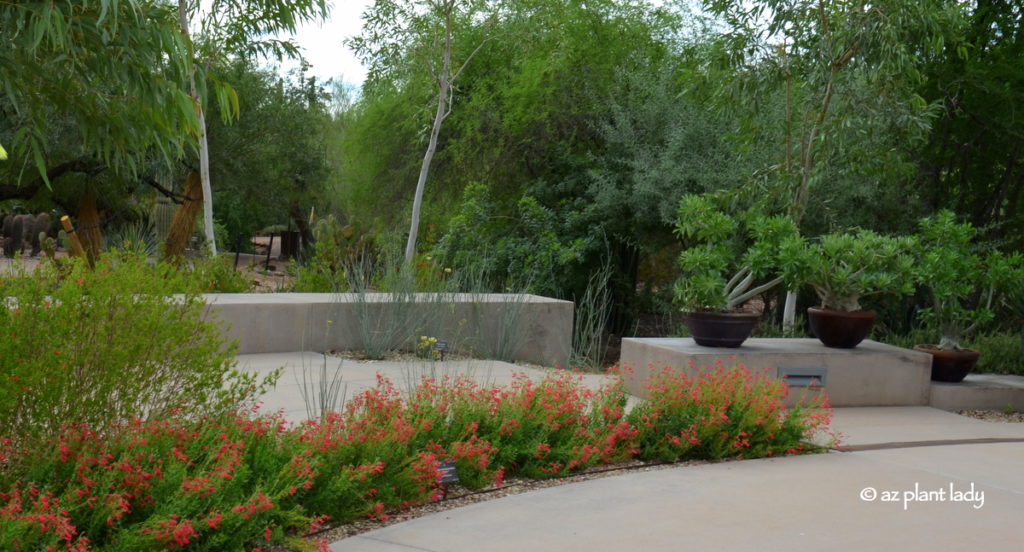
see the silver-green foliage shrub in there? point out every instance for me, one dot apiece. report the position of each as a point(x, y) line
point(105, 346)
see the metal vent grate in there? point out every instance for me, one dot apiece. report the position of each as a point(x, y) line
point(803, 376)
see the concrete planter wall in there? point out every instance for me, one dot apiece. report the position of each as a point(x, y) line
point(528, 328)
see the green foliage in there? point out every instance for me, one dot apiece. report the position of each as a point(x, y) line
point(844, 267)
point(137, 237)
point(129, 102)
point(276, 149)
point(104, 346)
point(526, 249)
point(725, 258)
point(831, 88)
point(337, 247)
point(1001, 352)
point(230, 481)
point(971, 162)
point(216, 275)
point(723, 412)
point(957, 277)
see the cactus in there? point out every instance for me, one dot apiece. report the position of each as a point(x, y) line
point(163, 215)
point(64, 240)
point(28, 224)
point(40, 230)
point(17, 236)
point(48, 245)
point(7, 225)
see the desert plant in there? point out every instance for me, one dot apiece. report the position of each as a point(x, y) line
point(962, 282)
point(104, 346)
point(724, 411)
point(14, 241)
point(592, 311)
point(845, 267)
point(137, 237)
point(727, 259)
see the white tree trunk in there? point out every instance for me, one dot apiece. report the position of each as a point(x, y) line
point(789, 311)
point(442, 110)
point(204, 175)
point(204, 148)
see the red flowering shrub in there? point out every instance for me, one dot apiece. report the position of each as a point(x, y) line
point(237, 481)
point(723, 412)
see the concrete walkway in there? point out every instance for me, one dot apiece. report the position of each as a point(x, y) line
point(939, 481)
point(357, 376)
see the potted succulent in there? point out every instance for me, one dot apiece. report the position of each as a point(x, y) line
point(962, 284)
point(843, 268)
point(728, 263)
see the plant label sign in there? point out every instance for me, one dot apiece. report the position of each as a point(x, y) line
point(448, 473)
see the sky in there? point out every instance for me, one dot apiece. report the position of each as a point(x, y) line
point(323, 47)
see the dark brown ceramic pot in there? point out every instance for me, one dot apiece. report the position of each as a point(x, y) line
point(950, 366)
point(721, 329)
point(840, 329)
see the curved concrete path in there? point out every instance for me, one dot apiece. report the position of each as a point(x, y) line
point(911, 478)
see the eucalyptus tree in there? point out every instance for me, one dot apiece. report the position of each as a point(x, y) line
point(232, 27)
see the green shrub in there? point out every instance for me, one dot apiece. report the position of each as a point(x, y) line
point(235, 481)
point(104, 346)
point(1000, 353)
point(723, 412)
point(214, 275)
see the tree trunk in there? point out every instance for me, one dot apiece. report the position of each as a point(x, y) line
point(89, 226)
point(184, 219)
point(302, 223)
point(204, 148)
point(442, 111)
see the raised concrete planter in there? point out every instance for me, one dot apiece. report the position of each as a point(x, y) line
point(979, 392)
point(534, 329)
point(872, 374)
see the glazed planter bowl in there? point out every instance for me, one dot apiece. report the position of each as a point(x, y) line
point(721, 329)
point(950, 366)
point(840, 329)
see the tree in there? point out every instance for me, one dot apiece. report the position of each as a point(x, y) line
point(110, 74)
point(240, 28)
point(972, 162)
point(428, 25)
point(848, 73)
point(272, 160)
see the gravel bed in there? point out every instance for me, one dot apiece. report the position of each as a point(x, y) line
point(994, 415)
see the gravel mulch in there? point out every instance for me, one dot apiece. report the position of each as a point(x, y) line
point(994, 415)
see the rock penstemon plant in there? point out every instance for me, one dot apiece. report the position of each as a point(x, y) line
point(245, 480)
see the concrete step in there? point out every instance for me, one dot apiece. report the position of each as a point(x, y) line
point(980, 392)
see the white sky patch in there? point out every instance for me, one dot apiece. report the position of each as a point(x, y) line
point(323, 43)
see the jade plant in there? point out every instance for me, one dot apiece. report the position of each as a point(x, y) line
point(730, 259)
point(845, 267)
point(963, 283)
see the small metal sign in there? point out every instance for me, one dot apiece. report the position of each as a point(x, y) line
point(442, 348)
point(448, 473)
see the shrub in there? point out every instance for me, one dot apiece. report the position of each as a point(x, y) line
point(214, 275)
point(723, 412)
point(233, 481)
point(104, 346)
